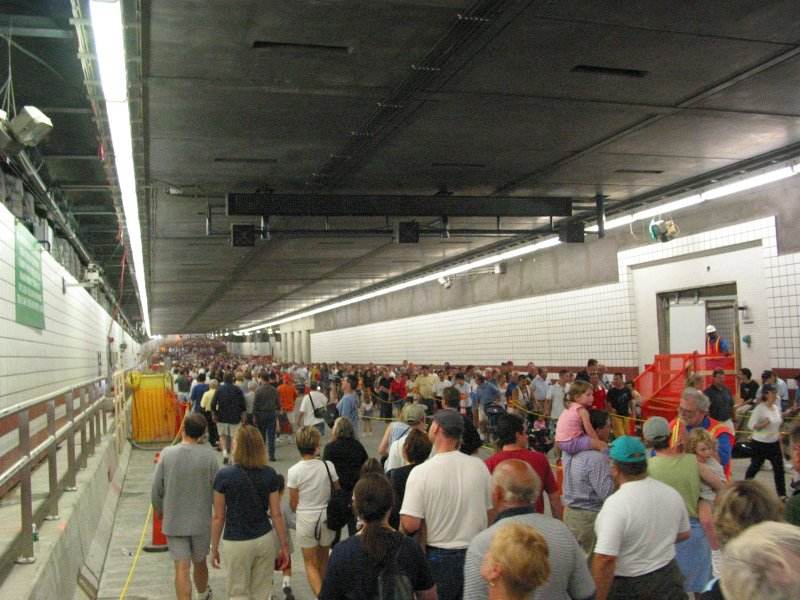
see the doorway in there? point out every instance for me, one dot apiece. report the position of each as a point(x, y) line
point(684, 314)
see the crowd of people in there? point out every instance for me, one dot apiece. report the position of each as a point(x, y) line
point(461, 500)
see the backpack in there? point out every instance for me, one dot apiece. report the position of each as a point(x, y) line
point(392, 583)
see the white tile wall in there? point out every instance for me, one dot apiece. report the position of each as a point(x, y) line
point(34, 362)
point(555, 329)
point(567, 328)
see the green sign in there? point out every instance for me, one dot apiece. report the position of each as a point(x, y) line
point(28, 278)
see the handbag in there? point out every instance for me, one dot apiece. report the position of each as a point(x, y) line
point(327, 413)
point(340, 505)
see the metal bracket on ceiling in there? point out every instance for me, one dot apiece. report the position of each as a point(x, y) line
point(472, 19)
point(266, 234)
point(600, 204)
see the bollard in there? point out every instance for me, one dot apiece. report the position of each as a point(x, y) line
point(158, 540)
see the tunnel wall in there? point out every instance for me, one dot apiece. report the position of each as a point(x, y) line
point(563, 305)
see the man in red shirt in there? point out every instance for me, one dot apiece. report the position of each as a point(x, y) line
point(287, 395)
point(398, 391)
point(513, 442)
point(599, 392)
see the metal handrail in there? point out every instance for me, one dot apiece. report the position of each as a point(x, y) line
point(51, 440)
point(87, 416)
point(9, 411)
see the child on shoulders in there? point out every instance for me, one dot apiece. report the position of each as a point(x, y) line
point(574, 432)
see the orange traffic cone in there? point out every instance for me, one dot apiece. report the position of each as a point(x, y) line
point(159, 540)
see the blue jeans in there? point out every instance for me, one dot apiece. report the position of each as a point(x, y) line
point(447, 568)
point(265, 422)
point(694, 558)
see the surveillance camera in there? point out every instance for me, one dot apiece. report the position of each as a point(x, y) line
point(92, 273)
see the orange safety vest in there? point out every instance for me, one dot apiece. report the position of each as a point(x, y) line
point(713, 347)
point(715, 428)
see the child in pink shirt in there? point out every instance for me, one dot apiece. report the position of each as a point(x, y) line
point(574, 432)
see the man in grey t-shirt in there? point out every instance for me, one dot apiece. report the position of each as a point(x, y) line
point(182, 495)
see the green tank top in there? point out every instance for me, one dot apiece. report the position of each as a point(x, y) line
point(681, 473)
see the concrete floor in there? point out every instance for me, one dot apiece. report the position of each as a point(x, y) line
point(153, 577)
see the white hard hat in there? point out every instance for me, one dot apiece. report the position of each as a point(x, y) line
point(711, 329)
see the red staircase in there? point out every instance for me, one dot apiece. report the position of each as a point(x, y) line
point(662, 382)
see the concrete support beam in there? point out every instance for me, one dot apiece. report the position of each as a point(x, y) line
point(307, 346)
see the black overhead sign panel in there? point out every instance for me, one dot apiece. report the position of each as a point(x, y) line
point(323, 205)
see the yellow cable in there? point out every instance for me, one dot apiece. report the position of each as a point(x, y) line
point(144, 532)
point(137, 555)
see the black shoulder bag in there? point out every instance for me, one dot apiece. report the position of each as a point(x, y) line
point(326, 413)
point(340, 505)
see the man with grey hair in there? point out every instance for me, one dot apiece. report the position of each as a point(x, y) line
point(762, 562)
point(693, 412)
point(515, 488)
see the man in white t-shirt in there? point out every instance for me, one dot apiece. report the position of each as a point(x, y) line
point(554, 404)
point(637, 529)
point(451, 494)
point(305, 414)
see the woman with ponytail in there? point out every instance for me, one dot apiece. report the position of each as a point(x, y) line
point(379, 556)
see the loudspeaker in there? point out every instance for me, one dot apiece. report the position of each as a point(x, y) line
point(407, 232)
point(571, 232)
point(243, 235)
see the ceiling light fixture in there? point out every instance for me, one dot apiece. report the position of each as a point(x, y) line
point(713, 193)
point(109, 41)
point(454, 270)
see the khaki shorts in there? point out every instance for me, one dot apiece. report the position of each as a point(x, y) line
point(250, 564)
point(189, 547)
point(312, 529)
point(228, 429)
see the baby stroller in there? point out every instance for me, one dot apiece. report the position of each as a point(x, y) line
point(493, 412)
point(539, 437)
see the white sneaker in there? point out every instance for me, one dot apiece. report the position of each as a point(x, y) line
point(206, 595)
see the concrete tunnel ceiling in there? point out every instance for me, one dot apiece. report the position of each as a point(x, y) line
point(419, 97)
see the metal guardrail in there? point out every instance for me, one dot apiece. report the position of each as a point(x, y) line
point(88, 419)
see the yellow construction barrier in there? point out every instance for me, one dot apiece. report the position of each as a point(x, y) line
point(155, 414)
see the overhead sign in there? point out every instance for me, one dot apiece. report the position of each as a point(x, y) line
point(337, 205)
point(28, 278)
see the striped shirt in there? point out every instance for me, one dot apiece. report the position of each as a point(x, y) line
point(569, 570)
point(587, 480)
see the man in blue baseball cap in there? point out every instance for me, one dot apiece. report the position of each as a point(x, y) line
point(637, 529)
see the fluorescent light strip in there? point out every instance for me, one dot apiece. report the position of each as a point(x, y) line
point(621, 221)
point(750, 182)
point(711, 194)
point(106, 17)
